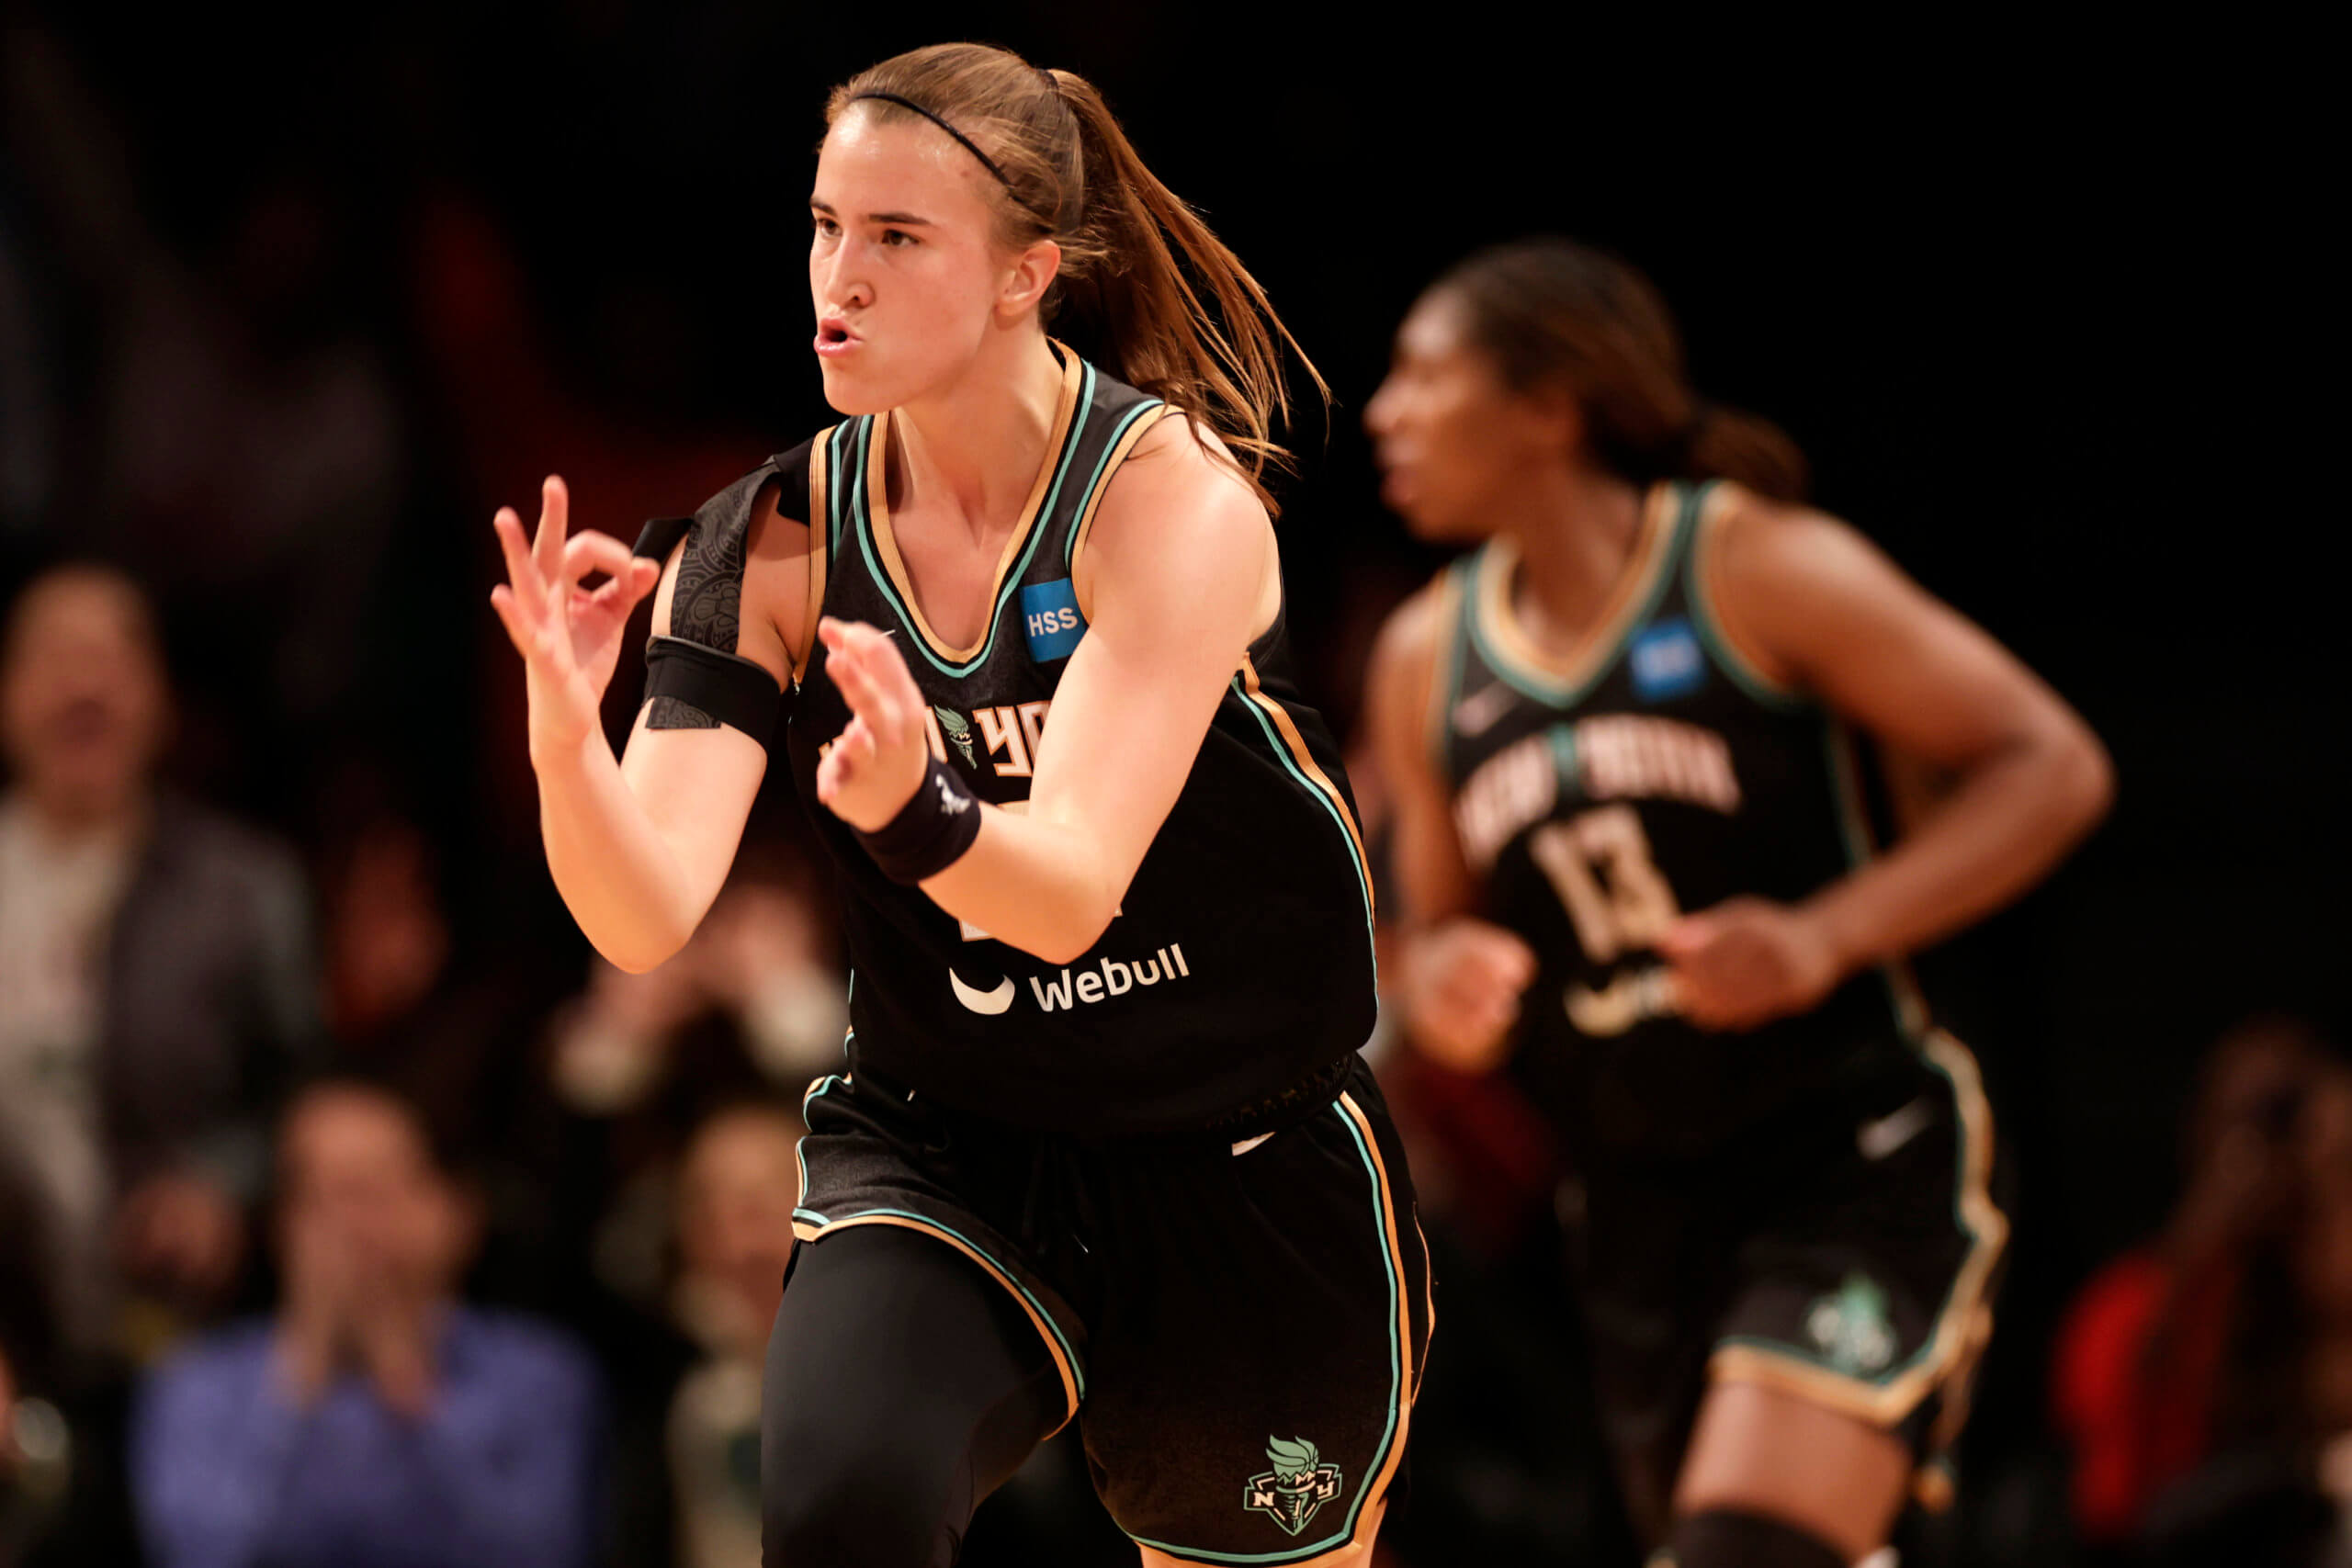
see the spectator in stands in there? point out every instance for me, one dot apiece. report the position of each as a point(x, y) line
point(759, 962)
point(737, 1185)
point(374, 1420)
point(2204, 1382)
point(156, 989)
point(753, 1006)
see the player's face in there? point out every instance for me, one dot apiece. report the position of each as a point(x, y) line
point(902, 267)
point(1451, 439)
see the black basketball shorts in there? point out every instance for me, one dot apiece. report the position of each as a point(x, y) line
point(1239, 1327)
point(1846, 1253)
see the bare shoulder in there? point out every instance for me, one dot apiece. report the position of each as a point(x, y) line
point(1757, 549)
point(1184, 481)
point(1795, 590)
point(1178, 523)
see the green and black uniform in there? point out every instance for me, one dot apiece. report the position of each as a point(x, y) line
point(1805, 1204)
point(1167, 1151)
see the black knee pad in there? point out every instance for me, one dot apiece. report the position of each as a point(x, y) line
point(1724, 1538)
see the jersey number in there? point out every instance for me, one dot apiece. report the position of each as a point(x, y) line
point(1599, 864)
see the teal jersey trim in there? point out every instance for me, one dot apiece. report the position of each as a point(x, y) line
point(1126, 421)
point(1331, 808)
point(1959, 1223)
point(843, 452)
point(1012, 1281)
point(1761, 690)
point(1457, 654)
point(800, 1158)
point(1396, 1395)
point(1038, 528)
point(1563, 694)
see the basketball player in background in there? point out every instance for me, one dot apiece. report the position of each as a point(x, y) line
point(1622, 741)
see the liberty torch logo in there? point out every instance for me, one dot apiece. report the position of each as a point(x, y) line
point(957, 728)
point(1295, 1488)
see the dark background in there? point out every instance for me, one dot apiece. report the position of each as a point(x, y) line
point(2044, 308)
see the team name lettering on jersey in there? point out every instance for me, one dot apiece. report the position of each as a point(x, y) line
point(1006, 731)
point(1606, 757)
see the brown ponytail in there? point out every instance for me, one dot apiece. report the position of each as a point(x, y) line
point(1555, 313)
point(1137, 261)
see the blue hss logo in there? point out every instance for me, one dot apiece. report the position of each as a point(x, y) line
point(1049, 615)
point(1666, 662)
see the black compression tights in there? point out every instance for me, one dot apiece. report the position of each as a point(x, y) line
point(903, 1386)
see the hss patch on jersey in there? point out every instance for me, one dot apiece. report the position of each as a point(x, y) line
point(1049, 615)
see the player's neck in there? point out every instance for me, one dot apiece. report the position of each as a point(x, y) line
point(1577, 540)
point(969, 452)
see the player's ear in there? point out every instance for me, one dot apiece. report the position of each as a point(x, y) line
point(1033, 273)
point(1551, 416)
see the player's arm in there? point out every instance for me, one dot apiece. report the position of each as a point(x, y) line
point(638, 847)
point(1432, 879)
point(1184, 574)
point(1460, 979)
point(1815, 607)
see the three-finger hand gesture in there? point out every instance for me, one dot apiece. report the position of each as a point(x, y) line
point(568, 636)
point(876, 763)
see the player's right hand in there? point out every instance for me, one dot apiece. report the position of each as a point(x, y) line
point(568, 636)
point(1461, 988)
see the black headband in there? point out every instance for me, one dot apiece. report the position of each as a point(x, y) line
point(986, 162)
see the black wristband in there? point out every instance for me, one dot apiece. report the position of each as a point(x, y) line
point(930, 831)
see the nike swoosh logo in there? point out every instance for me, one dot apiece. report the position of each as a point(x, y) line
point(988, 1002)
point(1629, 998)
point(1878, 1139)
point(1475, 714)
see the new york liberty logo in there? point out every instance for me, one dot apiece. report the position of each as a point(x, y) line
point(1853, 1328)
point(1298, 1485)
point(957, 728)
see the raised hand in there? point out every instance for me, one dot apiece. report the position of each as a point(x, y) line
point(877, 763)
point(568, 636)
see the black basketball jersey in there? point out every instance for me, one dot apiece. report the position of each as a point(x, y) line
point(1240, 960)
point(1601, 797)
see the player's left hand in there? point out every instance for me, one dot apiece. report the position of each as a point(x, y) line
point(1748, 960)
point(877, 761)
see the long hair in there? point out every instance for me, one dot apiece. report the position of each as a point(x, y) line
point(1145, 285)
point(1553, 313)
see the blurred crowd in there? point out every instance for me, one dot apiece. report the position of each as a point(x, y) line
point(353, 1214)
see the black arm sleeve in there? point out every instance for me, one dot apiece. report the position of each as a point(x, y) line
point(694, 676)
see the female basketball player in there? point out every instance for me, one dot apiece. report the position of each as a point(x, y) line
point(1633, 847)
point(1105, 1143)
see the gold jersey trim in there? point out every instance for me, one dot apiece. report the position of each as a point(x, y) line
point(820, 452)
point(1297, 744)
point(886, 542)
point(995, 1271)
point(1962, 1328)
point(1560, 678)
point(1082, 587)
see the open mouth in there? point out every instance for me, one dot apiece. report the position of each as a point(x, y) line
point(833, 336)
